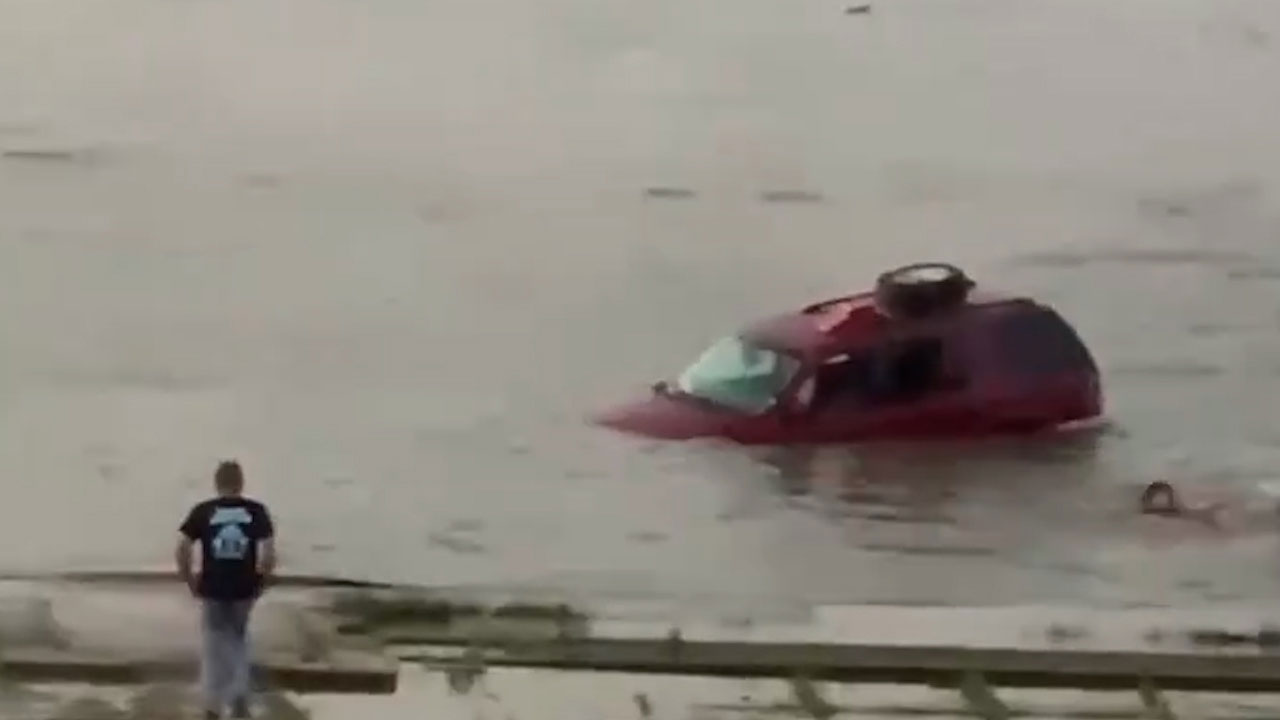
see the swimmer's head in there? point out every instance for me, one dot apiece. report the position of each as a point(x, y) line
point(1160, 499)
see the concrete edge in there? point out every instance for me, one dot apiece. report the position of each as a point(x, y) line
point(351, 673)
point(937, 666)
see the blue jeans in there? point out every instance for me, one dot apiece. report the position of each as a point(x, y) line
point(225, 664)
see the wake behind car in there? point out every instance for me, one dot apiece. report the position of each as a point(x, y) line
point(923, 355)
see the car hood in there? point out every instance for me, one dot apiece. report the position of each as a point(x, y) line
point(667, 416)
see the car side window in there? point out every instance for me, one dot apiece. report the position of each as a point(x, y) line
point(894, 372)
point(844, 379)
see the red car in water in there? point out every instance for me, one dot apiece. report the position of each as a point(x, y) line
point(922, 355)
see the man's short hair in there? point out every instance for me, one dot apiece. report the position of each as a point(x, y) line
point(229, 475)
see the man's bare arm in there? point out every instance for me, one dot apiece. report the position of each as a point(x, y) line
point(267, 557)
point(267, 545)
point(182, 558)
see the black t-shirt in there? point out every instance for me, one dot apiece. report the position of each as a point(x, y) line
point(229, 530)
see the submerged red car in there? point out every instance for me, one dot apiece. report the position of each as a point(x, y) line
point(922, 355)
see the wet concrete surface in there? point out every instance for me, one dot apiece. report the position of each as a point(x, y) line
point(532, 694)
point(535, 695)
point(121, 633)
point(111, 617)
point(458, 688)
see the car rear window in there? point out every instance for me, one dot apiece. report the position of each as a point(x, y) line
point(1039, 342)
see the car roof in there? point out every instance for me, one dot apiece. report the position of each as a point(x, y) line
point(840, 323)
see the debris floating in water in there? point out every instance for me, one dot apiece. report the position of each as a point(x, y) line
point(669, 193)
point(800, 196)
point(1255, 273)
point(858, 10)
point(780, 196)
point(261, 180)
point(59, 155)
point(40, 154)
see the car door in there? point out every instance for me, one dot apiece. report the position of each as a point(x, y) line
point(828, 398)
point(911, 385)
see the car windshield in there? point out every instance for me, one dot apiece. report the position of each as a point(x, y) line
point(738, 374)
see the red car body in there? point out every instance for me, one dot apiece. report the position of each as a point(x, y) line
point(841, 371)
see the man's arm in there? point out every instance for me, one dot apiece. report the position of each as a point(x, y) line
point(187, 535)
point(267, 558)
point(267, 546)
point(182, 558)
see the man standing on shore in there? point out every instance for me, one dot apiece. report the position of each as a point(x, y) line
point(237, 540)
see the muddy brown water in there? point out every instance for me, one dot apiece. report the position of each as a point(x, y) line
point(389, 253)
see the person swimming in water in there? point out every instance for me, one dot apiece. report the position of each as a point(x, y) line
point(1159, 498)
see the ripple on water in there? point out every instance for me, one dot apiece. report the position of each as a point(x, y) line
point(1136, 256)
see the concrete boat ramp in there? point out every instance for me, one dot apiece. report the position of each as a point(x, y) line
point(125, 646)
